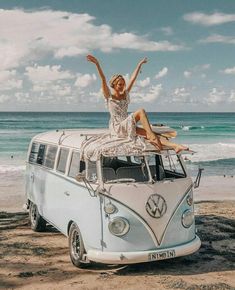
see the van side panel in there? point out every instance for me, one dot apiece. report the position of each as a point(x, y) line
point(61, 200)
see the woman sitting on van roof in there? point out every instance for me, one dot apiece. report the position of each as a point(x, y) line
point(121, 124)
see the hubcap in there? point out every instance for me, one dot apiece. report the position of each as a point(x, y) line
point(33, 214)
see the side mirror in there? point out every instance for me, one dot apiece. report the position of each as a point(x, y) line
point(80, 176)
point(198, 178)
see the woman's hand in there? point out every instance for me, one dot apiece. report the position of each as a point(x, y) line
point(135, 73)
point(144, 60)
point(105, 88)
point(92, 59)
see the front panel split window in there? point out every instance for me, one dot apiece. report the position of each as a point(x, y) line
point(76, 165)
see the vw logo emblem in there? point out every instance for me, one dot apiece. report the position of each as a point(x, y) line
point(156, 206)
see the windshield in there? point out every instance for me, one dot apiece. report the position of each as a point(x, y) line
point(137, 168)
point(124, 169)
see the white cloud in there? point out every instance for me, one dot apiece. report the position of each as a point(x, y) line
point(187, 74)
point(215, 96)
point(85, 80)
point(231, 98)
point(23, 98)
point(97, 97)
point(29, 35)
point(47, 73)
point(197, 70)
point(4, 98)
point(181, 95)
point(228, 71)
point(209, 19)
point(147, 96)
point(54, 90)
point(163, 72)
point(131, 41)
point(5, 75)
point(217, 38)
point(204, 66)
point(167, 30)
point(144, 83)
point(154, 93)
point(8, 80)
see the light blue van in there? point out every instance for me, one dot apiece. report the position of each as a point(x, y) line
point(119, 209)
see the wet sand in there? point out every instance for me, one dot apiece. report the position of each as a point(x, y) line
point(12, 191)
point(30, 260)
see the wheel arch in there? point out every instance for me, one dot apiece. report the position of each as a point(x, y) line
point(69, 225)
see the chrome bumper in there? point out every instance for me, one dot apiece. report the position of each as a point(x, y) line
point(143, 256)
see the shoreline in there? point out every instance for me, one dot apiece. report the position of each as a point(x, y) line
point(212, 188)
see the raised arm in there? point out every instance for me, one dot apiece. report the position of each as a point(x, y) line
point(105, 87)
point(135, 74)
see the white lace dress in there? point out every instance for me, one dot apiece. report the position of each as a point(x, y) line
point(121, 124)
point(121, 139)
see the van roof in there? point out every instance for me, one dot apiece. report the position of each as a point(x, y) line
point(74, 138)
point(68, 137)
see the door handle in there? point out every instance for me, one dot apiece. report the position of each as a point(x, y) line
point(67, 193)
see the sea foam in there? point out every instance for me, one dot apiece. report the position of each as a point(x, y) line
point(11, 169)
point(212, 152)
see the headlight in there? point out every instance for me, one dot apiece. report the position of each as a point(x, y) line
point(119, 226)
point(110, 208)
point(187, 218)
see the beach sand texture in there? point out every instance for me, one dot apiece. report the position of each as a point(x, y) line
point(30, 260)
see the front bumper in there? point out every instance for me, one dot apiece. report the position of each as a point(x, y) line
point(143, 256)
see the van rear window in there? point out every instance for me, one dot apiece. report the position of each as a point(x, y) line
point(41, 153)
point(34, 153)
point(61, 166)
point(49, 159)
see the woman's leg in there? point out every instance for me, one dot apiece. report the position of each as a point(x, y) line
point(176, 147)
point(141, 116)
point(147, 132)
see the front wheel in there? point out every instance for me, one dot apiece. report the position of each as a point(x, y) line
point(76, 247)
point(38, 224)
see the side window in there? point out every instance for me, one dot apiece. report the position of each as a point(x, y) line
point(91, 171)
point(63, 156)
point(49, 159)
point(76, 165)
point(41, 153)
point(172, 163)
point(34, 153)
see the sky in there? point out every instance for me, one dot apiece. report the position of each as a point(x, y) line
point(190, 47)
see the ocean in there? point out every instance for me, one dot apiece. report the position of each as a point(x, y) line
point(211, 135)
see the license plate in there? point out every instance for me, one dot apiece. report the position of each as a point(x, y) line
point(155, 256)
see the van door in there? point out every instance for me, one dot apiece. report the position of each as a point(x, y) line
point(54, 199)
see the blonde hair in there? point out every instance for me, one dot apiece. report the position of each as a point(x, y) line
point(114, 79)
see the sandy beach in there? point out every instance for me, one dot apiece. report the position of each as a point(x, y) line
point(40, 260)
point(32, 260)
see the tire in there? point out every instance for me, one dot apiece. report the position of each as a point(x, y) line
point(76, 247)
point(38, 224)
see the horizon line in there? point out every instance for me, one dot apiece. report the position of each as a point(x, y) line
point(207, 112)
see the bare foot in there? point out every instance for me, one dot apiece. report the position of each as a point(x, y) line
point(180, 148)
